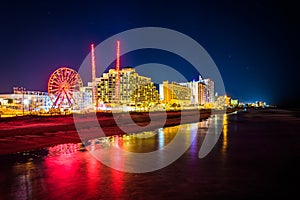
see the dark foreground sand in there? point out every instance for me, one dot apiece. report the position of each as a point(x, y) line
point(34, 132)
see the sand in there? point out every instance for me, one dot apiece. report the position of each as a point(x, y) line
point(34, 132)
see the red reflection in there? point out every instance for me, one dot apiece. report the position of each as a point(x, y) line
point(93, 175)
point(63, 149)
point(117, 176)
point(65, 171)
point(61, 172)
point(79, 175)
point(117, 184)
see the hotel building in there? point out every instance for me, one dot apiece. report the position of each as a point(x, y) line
point(174, 93)
point(210, 90)
point(133, 88)
point(202, 91)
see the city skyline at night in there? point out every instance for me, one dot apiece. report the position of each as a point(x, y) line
point(149, 99)
point(252, 43)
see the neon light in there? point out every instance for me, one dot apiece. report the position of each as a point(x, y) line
point(117, 92)
point(94, 89)
point(118, 56)
point(62, 84)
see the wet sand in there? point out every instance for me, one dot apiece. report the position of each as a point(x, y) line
point(34, 132)
point(256, 157)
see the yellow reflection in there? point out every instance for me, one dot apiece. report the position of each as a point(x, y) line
point(26, 179)
point(225, 130)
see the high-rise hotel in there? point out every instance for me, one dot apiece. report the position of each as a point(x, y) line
point(194, 92)
point(132, 87)
point(174, 93)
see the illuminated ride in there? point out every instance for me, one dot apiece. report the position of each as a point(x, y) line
point(63, 85)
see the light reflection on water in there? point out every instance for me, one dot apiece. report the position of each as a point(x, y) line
point(67, 170)
point(143, 152)
point(147, 141)
point(225, 130)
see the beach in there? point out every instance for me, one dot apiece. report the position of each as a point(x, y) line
point(34, 132)
point(257, 156)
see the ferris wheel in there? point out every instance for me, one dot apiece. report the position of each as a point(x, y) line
point(62, 85)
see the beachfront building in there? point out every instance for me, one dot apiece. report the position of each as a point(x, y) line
point(202, 91)
point(194, 95)
point(25, 100)
point(131, 89)
point(234, 102)
point(223, 102)
point(174, 93)
point(84, 97)
point(210, 90)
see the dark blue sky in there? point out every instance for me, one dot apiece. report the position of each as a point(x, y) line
point(254, 43)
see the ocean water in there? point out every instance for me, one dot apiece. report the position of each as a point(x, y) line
point(256, 156)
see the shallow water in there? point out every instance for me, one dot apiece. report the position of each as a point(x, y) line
point(256, 156)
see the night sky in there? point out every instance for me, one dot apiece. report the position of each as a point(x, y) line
point(253, 43)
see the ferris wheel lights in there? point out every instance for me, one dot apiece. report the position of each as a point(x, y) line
point(62, 84)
